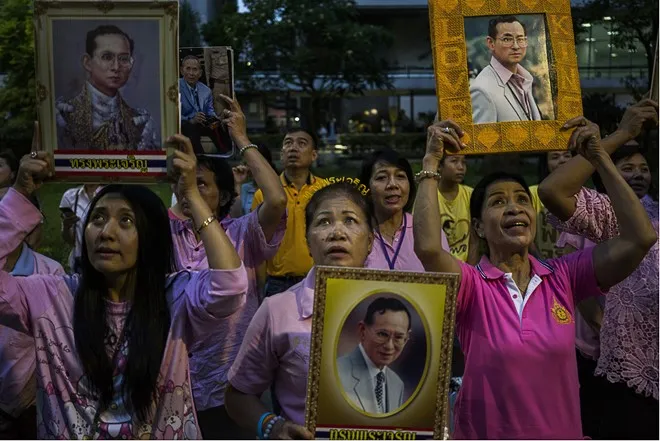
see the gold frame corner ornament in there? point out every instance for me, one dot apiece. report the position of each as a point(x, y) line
point(105, 6)
point(453, 90)
point(42, 92)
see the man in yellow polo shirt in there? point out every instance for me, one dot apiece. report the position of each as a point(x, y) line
point(293, 261)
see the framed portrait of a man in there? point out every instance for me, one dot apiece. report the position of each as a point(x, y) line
point(506, 72)
point(381, 354)
point(205, 73)
point(107, 88)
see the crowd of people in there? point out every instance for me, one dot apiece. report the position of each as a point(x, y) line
point(195, 321)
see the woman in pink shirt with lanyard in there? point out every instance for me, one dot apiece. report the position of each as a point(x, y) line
point(111, 343)
point(391, 184)
point(275, 350)
point(514, 313)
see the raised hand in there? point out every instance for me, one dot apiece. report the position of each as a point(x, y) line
point(639, 116)
point(185, 164)
point(241, 173)
point(441, 136)
point(35, 167)
point(234, 119)
point(585, 139)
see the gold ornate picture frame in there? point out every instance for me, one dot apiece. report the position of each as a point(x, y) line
point(107, 86)
point(549, 39)
point(359, 323)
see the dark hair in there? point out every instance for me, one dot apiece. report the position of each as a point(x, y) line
point(315, 139)
point(392, 157)
point(492, 24)
point(90, 42)
point(224, 179)
point(268, 156)
point(191, 57)
point(479, 192)
point(383, 304)
point(11, 160)
point(339, 189)
point(148, 321)
point(623, 152)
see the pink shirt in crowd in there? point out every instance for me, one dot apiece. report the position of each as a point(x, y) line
point(212, 355)
point(587, 340)
point(520, 379)
point(17, 352)
point(42, 307)
point(629, 333)
point(406, 259)
point(275, 350)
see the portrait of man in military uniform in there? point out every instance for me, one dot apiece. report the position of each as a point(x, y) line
point(99, 117)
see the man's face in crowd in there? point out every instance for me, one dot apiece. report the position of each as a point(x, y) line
point(298, 150)
point(111, 64)
point(191, 71)
point(385, 338)
point(506, 47)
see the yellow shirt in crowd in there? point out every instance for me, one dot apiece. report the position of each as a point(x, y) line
point(455, 221)
point(292, 258)
point(546, 235)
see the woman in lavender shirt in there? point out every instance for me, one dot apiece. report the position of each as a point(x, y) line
point(111, 344)
point(627, 369)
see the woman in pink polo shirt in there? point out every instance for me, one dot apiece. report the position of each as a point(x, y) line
point(275, 350)
point(391, 184)
point(111, 343)
point(514, 313)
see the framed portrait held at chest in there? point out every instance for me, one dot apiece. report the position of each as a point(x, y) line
point(506, 72)
point(107, 86)
point(380, 354)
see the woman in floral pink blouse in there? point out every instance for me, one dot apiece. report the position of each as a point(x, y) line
point(628, 362)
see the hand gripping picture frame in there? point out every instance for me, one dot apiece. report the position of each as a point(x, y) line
point(399, 323)
point(506, 72)
point(107, 86)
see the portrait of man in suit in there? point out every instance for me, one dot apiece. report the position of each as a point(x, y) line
point(198, 114)
point(365, 372)
point(99, 117)
point(502, 91)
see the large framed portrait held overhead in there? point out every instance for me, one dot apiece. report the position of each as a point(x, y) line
point(506, 72)
point(107, 86)
point(205, 73)
point(380, 356)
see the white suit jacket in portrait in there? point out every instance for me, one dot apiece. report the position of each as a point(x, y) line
point(360, 387)
point(494, 101)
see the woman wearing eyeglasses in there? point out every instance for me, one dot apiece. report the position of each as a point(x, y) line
point(503, 90)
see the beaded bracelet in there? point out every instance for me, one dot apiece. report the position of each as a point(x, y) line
point(270, 425)
point(260, 424)
point(247, 147)
point(424, 174)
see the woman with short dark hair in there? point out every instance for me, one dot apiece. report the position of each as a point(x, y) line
point(514, 313)
point(391, 183)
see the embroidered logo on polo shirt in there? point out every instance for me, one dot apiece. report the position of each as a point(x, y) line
point(561, 314)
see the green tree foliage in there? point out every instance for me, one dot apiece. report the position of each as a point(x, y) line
point(189, 32)
point(318, 47)
point(17, 97)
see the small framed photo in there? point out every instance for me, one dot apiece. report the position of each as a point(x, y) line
point(204, 74)
point(380, 354)
point(506, 72)
point(107, 86)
